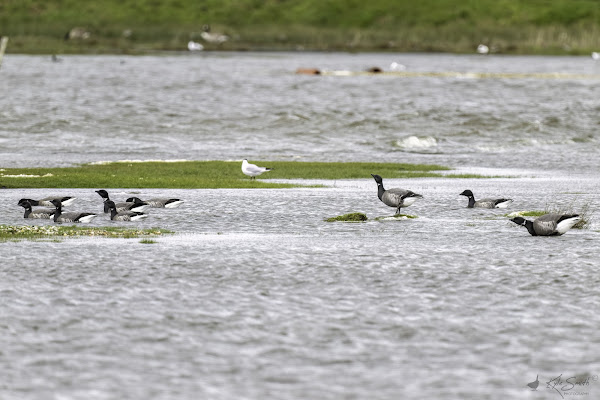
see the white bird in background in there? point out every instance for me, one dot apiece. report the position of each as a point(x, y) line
point(483, 49)
point(195, 46)
point(397, 67)
point(595, 55)
point(252, 170)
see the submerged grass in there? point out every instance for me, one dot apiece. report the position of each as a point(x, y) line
point(203, 174)
point(32, 232)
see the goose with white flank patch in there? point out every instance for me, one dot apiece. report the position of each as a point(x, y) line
point(253, 170)
point(74, 216)
point(124, 215)
point(126, 206)
point(40, 213)
point(548, 224)
point(485, 203)
point(158, 202)
point(47, 201)
point(396, 197)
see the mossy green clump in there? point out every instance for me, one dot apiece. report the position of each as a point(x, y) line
point(32, 232)
point(148, 241)
point(351, 217)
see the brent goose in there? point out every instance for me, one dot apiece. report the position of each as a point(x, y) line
point(124, 215)
point(548, 224)
point(253, 170)
point(396, 197)
point(40, 213)
point(126, 206)
point(159, 202)
point(485, 203)
point(47, 201)
point(70, 216)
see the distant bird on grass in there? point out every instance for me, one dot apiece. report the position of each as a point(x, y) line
point(485, 203)
point(158, 202)
point(253, 170)
point(40, 213)
point(195, 46)
point(483, 49)
point(75, 216)
point(398, 198)
point(124, 215)
point(548, 224)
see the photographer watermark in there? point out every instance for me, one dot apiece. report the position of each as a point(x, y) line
point(565, 386)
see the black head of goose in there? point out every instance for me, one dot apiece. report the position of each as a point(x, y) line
point(548, 224)
point(159, 202)
point(47, 201)
point(395, 197)
point(40, 213)
point(124, 215)
point(74, 216)
point(485, 203)
point(123, 206)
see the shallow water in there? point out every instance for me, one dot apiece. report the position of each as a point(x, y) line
point(256, 296)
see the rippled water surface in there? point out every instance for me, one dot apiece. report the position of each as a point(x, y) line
point(255, 296)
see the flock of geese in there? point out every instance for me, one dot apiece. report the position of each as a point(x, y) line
point(552, 224)
point(133, 209)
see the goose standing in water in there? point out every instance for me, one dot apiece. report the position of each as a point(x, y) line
point(47, 201)
point(126, 206)
point(395, 197)
point(548, 224)
point(59, 216)
point(124, 215)
point(159, 203)
point(40, 213)
point(485, 203)
point(253, 170)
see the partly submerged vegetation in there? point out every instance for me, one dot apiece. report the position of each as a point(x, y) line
point(32, 232)
point(350, 217)
point(113, 26)
point(361, 217)
point(204, 174)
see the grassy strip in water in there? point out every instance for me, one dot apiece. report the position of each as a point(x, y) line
point(30, 232)
point(203, 174)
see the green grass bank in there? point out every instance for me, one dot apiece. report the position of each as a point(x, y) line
point(204, 174)
point(142, 26)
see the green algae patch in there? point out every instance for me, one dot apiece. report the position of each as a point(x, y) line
point(396, 217)
point(351, 217)
point(53, 232)
point(526, 214)
point(204, 174)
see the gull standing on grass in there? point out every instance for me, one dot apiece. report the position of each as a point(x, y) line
point(253, 170)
